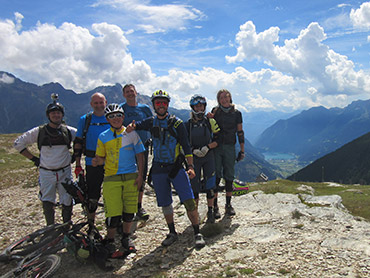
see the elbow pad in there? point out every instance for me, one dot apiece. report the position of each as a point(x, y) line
point(240, 134)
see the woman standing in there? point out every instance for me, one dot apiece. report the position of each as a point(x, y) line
point(229, 119)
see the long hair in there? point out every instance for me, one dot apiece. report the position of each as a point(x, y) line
point(223, 91)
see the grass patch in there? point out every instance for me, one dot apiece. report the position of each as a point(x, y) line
point(246, 271)
point(284, 271)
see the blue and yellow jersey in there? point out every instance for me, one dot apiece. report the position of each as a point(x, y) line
point(120, 151)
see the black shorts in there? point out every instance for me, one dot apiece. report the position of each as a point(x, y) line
point(94, 180)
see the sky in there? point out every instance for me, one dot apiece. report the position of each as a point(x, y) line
point(270, 54)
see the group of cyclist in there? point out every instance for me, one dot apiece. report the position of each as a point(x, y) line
point(115, 138)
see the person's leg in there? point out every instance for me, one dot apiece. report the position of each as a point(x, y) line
point(182, 186)
point(210, 185)
point(64, 198)
point(94, 180)
point(141, 213)
point(218, 167)
point(229, 172)
point(47, 194)
point(162, 188)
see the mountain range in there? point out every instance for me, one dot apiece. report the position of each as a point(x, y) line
point(350, 164)
point(23, 107)
point(317, 131)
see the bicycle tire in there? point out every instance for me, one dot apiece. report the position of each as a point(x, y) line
point(43, 267)
point(32, 242)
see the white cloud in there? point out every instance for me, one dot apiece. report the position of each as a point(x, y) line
point(361, 16)
point(305, 57)
point(6, 79)
point(155, 18)
point(70, 54)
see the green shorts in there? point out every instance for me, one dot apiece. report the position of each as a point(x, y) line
point(120, 194)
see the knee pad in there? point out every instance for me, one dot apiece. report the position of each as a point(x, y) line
point(167, 210)
point(229, 186)
point(190, 205)
point(113, 222)
point(127, 217)
point(92, 205)
point(210, 194)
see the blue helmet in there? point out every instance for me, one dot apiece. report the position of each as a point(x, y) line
point(194, 101)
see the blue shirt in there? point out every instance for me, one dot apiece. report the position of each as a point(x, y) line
point(97, 126)
point(137, 113)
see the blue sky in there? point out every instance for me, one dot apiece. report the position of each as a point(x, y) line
point(271, 55)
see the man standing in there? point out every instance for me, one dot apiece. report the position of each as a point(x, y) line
point(168, 133)
point(122, 156)
point(88, 129)
point(54, 141)
point(135, 111)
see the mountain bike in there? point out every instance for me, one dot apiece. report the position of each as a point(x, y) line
point(35, 253)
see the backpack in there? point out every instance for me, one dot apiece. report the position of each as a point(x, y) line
point(43, 133)
point(86, 129)
point(172, 124)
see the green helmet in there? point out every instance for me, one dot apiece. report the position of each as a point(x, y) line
point(160, 94)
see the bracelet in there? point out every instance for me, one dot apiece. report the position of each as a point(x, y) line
point(241, 152)
point(191, 165)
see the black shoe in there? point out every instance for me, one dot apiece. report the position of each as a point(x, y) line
point(216, 213)
point(229, 210)
point(142, 214)
point(210, 217)
point(171, 238)
point(128, 245)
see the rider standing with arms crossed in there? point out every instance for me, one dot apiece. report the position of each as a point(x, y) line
point(89, 127)
point(135, 111)
point(229, 119)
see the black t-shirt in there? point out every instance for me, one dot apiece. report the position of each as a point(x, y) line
point(227, 121)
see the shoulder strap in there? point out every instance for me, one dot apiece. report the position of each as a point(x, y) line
point(67, 135)
point(84, 132)
point(172, 124)
point(41, 136)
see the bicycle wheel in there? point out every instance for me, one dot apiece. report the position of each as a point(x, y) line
point(43, 267)
point(32, 242)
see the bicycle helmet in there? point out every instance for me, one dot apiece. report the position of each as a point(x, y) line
point(160, 94)
point(54, 106)
point(194, 101)
point(113, 108)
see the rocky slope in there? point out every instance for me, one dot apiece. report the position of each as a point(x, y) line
point(270, 236)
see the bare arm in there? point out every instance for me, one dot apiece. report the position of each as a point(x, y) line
point(140, 167)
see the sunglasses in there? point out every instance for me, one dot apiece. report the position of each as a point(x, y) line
point(112, 116)
point(159, 102)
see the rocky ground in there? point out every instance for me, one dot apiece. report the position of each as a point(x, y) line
point(270, 236)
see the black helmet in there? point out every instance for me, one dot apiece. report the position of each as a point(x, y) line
point(54, 106)
point(194, 101)
point(160, 94)
point(113, 108)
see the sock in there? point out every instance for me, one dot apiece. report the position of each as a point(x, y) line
point(228, 200)
point(138, 206)
point(215, 203)
point(171, 226)
point(196, 229)
point(210, 209)
point(125, 235)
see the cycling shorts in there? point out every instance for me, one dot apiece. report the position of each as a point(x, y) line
point(163, 190)
point(94, 180)
point(120, 194)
